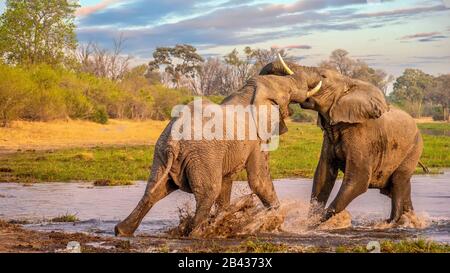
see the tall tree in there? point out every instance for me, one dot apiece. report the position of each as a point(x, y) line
point(35, 31)
point(242, 67)
point(410, 90)
point(181, 62)
point(439, 94)
point(340, 61)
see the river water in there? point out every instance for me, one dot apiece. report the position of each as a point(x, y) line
point(100, 208)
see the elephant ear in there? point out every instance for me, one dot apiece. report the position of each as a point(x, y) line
point(358, 105)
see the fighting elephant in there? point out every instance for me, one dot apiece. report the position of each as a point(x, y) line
point(374, 144)
point(205, 167)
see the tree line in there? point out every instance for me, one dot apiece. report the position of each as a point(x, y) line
point(47, 75)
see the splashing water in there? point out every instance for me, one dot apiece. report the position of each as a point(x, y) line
point(408, 220)
point(247, 216)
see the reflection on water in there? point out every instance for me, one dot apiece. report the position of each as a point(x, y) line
point(99, 208)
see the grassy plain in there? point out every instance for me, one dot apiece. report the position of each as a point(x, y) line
point(122, 151)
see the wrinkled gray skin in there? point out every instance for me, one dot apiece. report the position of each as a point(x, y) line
point(206, 167)
point(376, 146)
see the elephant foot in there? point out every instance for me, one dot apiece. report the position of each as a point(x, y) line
point(327, 215)
point(121, 231)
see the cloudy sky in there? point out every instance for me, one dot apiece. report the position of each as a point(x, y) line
point(391, 35)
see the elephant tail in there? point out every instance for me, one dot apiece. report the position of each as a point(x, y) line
point(172, 154)
point(424, 168)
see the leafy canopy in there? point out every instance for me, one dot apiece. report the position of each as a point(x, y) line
point(35, 32)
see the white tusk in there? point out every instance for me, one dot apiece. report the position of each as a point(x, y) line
point(314, 91)
point(286, 68)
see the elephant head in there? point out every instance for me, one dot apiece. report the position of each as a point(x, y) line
point(281, 88)
point(337, 98)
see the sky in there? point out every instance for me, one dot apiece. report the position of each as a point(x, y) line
point(387, 34)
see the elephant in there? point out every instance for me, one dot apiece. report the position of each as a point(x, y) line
point(374, 144)
point(206, 167)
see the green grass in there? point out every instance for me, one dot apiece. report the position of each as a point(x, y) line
point(297, 156)
point(436, 153)
point(404, 246)
point(66, 218)
point(440, 126)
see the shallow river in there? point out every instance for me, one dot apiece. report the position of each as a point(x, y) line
point(99, 208)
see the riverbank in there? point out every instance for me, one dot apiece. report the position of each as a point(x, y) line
point(122, 152)
point(15, 239)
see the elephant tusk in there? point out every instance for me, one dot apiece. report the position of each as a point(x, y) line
point(315, 90)
point(286, 68)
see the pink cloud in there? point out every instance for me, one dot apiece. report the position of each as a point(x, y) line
point(94, 8)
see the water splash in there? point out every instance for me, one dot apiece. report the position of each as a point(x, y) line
point(408, 220)
point(246, 216)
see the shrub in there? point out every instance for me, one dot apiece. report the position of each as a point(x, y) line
point(301, 115)
point(100, 115)
point(14, 90)
point(44, 93)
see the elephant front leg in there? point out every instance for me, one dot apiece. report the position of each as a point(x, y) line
point(356, 182)
point(324, 179)
point(224, 198)
point(259, 178)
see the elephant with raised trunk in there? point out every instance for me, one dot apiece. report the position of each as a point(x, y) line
point(375, 145)
point(206, 167)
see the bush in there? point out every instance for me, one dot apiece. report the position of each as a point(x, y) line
point(44, 93)
point(100, 115)
point(14, 90)
point(438, 114)
point(301, 115)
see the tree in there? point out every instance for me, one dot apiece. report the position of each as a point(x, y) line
point(211, 76)
point(340, 61)
point(34, 32)
point(439, 94)
point(377, 77)
point(102, 62)
point(410, 90)
point(181, 62)
point(241, 69)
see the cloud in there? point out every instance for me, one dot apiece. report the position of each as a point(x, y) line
point(433, 38)
point(233, 23)
point(424, 37)
point(292, 47)
point(84, 11)
point(419, 35)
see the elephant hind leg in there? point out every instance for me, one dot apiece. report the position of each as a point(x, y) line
point(153, 193)
point(400, 194)
point(401, 184)
point(206, 184)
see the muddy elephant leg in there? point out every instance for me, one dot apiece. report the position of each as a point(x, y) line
point(324, 177)
point(206, 184)
point(400, 194)
point(259, 178)
point(225, 194)
point(153, 193)
point(401, 183)
point(356, 182)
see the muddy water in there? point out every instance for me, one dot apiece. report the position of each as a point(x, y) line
point(99, 209)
